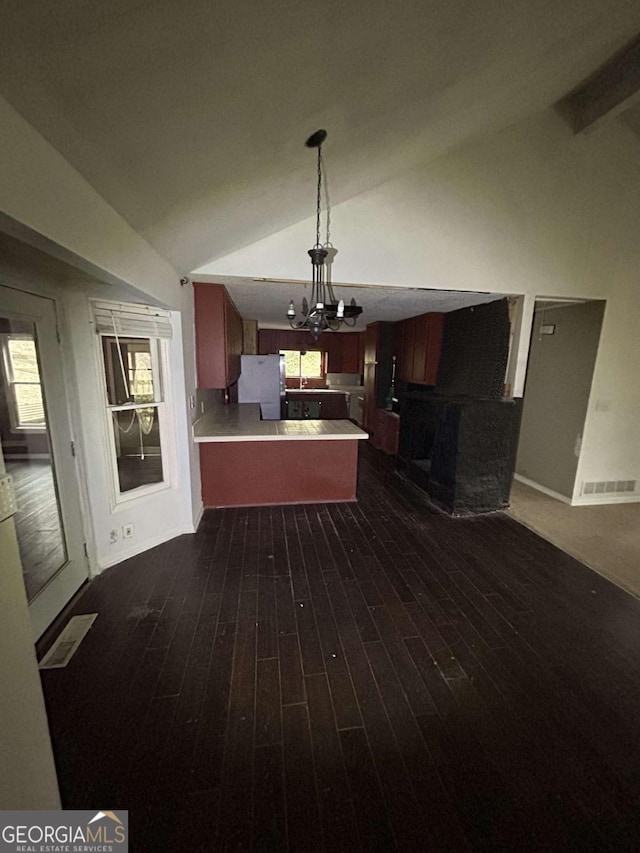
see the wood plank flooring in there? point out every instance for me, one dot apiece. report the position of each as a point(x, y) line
point(40, 537)
point(373, 676)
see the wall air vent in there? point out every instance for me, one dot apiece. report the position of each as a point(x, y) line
point(609, 487)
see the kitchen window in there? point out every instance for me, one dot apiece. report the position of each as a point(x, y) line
point(20, 363)
point(132, 356)
point(303, 364)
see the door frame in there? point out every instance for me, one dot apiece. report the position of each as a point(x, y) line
point(42, 310)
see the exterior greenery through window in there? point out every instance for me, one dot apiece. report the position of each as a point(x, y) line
point(306, 363)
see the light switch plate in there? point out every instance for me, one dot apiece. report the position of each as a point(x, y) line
point(7, 498)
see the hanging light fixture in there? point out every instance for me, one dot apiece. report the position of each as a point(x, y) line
point(324, 312)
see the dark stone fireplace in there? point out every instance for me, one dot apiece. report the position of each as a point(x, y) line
point(458, 441)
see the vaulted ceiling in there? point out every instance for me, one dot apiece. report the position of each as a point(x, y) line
point(189, 117)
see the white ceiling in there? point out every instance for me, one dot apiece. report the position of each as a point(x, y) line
point(189, 117)
point(268, 300)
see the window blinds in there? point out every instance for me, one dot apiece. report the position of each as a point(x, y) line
point(129, 320)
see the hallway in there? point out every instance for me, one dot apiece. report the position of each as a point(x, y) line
point(606, 537)
point(357, 677)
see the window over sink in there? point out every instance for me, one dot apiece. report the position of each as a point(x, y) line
point(304, 364)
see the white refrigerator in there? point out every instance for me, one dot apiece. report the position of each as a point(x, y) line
point(262, 380)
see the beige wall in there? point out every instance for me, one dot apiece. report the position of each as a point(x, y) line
point(27, 772)
point(557, 394)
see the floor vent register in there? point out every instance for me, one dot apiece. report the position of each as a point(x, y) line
point(67, 643)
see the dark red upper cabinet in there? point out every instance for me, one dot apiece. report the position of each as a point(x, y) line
point(352, 352)
point(434, 347)
point(218, 336)
point(419, 349)
point(335, 352)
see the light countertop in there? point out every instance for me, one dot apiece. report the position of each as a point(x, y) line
point(241, 422)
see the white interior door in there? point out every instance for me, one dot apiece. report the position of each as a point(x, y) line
point(37, 444)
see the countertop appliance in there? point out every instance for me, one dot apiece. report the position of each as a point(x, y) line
point(262, 380)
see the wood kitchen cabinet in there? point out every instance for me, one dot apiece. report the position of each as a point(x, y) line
point(249, 337)
point(344, 352)
point(420, 342)
point(352, 353)
point(344, 349)
point(218, 336)
point(379, 340)
point(386, 431)
point(271, 341)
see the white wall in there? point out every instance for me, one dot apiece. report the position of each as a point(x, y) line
point(190, 378)
point(531, 210)
point(156, 517)
point(49, 199)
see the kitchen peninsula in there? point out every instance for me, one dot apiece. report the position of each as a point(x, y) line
point(245, 461)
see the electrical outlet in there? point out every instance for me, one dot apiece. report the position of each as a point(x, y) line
point(114, 536)
point(127, 531)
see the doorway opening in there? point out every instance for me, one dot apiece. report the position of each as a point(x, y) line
point(562, 356)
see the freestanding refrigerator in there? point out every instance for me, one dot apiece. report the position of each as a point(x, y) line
point(262, 380)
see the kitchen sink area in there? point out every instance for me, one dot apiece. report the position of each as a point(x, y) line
point(341, 397)
point(316, 403)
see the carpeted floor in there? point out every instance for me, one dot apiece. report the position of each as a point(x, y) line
point(606, 538)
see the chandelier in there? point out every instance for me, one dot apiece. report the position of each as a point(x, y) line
point(324, 313)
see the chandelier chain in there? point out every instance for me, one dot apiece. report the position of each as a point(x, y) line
point(324, 312)
point(318, 197)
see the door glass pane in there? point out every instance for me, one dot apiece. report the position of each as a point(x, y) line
point(136, 433)
point(29, 405)
point(25, 441)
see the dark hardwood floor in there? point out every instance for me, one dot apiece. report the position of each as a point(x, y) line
point(40, 537)
point(373, 676)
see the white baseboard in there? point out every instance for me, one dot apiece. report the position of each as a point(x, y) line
point(542, 489)
point(141, 547)
point(198, 517)
point(583, 500)
point(601, 499)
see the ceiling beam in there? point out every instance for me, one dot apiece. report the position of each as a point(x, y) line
point(610, 91)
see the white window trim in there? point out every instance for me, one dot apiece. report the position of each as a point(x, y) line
point(14, 418)
point(164, 406)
